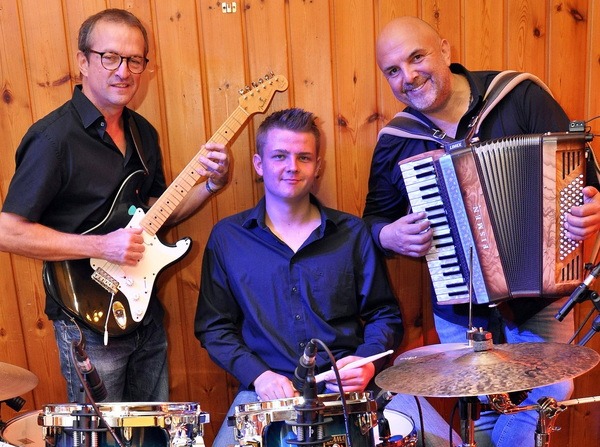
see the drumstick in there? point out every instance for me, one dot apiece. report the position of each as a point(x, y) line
point(357, 363)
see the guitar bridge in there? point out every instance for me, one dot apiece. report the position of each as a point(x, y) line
point(105, 280)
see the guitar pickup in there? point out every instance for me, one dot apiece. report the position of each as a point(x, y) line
point(105, 280)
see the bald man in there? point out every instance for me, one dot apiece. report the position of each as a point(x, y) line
point(416, 62)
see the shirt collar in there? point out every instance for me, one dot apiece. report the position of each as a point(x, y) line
point(88, 112)
point(329, 218)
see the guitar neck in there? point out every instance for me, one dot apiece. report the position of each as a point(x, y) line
point(158, 214)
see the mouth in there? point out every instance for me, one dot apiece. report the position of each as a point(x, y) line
point(414, 88)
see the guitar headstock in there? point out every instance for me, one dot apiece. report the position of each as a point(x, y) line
point(258, 98)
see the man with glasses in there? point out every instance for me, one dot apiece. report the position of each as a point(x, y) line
point(70, 167)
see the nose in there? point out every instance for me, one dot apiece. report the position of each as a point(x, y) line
point(123, 70)
point(292, 164)
point(407, 73)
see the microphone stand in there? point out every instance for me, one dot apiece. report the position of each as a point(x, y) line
point(85, 413)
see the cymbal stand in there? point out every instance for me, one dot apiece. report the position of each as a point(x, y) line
point(470, 410)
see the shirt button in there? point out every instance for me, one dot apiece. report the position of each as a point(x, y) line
point(297, 317)
point(102, 124)
point(294, 289)
point(302, 344)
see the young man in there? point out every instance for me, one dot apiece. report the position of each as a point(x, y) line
point(290, 270)
point(70, 165)
point(416, 62)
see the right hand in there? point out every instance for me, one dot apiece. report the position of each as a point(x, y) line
point(270, 385)
point(411, 235)
point(124, 246)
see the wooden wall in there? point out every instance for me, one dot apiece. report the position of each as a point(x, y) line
point(200, 57)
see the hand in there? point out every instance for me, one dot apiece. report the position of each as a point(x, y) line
point(216, 165)
point(410, 235)
point(355, 379)
point(124, 246)
point(270, 385)
point(584, 221)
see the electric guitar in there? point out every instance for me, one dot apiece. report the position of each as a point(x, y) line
point(112, 299)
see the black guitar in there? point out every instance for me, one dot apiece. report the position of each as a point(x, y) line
point(112, 299)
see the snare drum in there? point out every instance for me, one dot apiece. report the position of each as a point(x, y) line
point(402, 429)
point(144, 424)
point(23, 431)
point(271, 423)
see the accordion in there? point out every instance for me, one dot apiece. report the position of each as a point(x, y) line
point(496, 209)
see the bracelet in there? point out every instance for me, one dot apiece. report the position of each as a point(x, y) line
point(211, 189)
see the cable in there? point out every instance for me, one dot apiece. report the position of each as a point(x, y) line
point(452, 414)
point(420, 411)
point(88, 391)
point(341, 388)
point(583, 323)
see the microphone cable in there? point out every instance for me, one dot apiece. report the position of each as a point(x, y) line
point(341, 388)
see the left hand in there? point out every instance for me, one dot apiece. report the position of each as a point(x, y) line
point(584, 221)
point(355, 379)
point(216, 164)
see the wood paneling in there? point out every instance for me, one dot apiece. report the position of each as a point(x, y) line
point(200, 58)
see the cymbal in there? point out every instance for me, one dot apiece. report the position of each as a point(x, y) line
point(15, 381)
point(456, 370)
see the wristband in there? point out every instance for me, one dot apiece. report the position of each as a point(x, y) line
point(211, 190)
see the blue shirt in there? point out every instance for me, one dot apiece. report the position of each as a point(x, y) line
point(260, 302)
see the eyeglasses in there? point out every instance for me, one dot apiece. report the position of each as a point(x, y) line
point(112, 61)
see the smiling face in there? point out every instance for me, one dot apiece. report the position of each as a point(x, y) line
point(111, 90)
point(289, 164)
point(415, 61)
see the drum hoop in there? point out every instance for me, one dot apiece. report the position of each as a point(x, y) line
point(283, 409)
point(126, 414)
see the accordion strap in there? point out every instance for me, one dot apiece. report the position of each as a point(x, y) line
point(407, 125)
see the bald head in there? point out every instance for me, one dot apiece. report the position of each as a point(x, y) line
point(403, 30)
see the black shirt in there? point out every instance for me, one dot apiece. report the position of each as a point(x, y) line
point(68, 169)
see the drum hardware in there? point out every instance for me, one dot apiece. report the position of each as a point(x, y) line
point(265, 423)
point(548, 409)
point(395, 429)
point(308, 426)
point(16, 403)
point(138, 423)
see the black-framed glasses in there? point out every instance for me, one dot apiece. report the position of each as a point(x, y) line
point(112, 61)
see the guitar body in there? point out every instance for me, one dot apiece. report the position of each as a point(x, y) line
point(78, 286)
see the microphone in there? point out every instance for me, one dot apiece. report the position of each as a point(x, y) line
point(96, 385)
point(595, 328)
point(579, 294)
point(306, 365)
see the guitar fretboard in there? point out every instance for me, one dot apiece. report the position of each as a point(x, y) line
point(185, 181)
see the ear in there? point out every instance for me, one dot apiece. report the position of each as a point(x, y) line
point(257, 162)
point(318, 169)
point(445, 49)
point(83, 63)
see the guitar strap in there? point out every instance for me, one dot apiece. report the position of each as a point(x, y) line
point(137, 142)
point(406, 125)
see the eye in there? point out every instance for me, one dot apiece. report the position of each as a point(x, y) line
point(136, 62)
point(111, 58)
point(392, 72)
